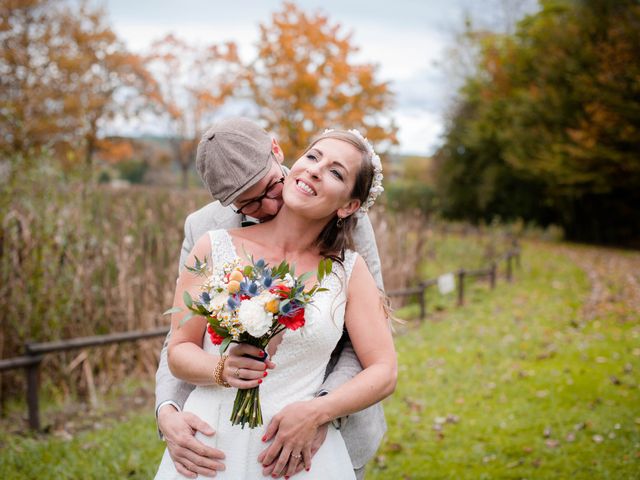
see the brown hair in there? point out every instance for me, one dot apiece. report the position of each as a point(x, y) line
point(334, 239)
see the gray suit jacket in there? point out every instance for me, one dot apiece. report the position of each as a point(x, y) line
point(362, 431)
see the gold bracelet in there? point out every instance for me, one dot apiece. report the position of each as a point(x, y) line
point(217, 372)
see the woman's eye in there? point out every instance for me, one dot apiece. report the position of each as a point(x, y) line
point(337, 174)
point(311, 157)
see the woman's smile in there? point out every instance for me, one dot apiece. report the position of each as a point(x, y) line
point(305, 187)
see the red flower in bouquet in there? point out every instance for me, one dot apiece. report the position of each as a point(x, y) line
point(215, 338)
point(281, 290)
point(293, 322)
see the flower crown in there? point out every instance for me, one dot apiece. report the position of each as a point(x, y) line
point(376, 184)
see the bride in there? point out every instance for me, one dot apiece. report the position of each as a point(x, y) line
point(337, 176)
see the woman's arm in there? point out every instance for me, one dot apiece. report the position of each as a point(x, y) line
point(187, 359)
point(368, 327)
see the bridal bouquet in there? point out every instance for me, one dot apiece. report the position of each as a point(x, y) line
point(251, 304)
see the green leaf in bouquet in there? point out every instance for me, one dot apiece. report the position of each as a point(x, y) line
point(304, 277)
point(186, 318)
point(248, 270)
point(225, 344)
point(200, 267)
point(172, 311)
point(328, 266)
point(186, 297)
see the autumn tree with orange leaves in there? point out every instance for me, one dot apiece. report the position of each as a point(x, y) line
point(304, 80)
point(63, 73)
point(193, 84)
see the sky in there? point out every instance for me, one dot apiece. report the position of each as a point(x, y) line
point(408, 39)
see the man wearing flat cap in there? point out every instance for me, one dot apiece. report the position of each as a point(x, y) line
point(241, 166)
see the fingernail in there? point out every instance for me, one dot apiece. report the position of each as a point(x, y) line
point(260, 381)
point(264, 439)
point(265, 374)
point(262, 353)
point(307, 469)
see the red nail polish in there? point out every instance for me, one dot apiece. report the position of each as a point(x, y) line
point(265, 374)
point(264, 439)
point(260, 381)
point(262, 354)
point(307, 469)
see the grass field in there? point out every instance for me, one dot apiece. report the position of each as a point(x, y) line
point(536, 379)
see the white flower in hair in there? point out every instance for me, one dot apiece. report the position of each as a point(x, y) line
point(376, 184)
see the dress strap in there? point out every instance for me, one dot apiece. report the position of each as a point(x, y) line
point(349, 261)
point(222, 248)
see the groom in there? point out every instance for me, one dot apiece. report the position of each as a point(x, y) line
point(241, 165)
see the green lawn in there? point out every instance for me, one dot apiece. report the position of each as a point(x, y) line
point(520, 383)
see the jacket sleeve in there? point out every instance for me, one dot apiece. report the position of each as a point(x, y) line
point(168, 387)
point(347, 365)
point(365, 244)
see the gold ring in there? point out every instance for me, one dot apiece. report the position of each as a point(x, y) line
point(237, 373)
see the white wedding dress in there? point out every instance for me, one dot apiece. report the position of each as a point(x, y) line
point(301, 360)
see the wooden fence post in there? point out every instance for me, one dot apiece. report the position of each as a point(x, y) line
point(461, 274)
point(509, 267)
point(33, 385)
point(423, 306)
point(492, 276)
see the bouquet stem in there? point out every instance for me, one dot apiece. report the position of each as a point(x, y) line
point(246, 408)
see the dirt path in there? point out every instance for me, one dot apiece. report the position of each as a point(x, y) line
point(615, 281)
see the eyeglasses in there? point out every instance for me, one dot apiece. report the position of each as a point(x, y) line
point(252, 206)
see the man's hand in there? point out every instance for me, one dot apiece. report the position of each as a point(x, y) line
point(294, 433)
point(190, 456)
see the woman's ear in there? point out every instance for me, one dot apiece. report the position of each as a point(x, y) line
point(277, 151)
point(349, 208)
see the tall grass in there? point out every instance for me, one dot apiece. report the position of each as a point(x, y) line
point(80, 260)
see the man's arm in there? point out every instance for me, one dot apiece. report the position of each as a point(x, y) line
point(190, 456)
point(348, 366)
point(169, 389)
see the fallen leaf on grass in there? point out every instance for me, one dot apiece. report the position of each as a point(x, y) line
point(515, 464)
point(551, 443)
point(394, 447)
point(598, 438)
point(570, 437)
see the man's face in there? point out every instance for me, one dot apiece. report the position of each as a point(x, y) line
point(268, 206)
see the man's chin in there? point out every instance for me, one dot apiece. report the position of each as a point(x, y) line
point(267, 218)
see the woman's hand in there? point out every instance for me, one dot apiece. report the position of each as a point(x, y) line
point(243, 372)
point(295, 433)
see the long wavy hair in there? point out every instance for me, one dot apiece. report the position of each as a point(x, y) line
point(334, 239)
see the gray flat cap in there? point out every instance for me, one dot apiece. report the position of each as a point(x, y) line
point(233, 156)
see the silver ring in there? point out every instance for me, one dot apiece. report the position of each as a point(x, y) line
point(237, 373)
point(297, 457)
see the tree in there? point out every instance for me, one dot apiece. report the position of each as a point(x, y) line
point(65, 73)
point(193, 83)
point(305, 80)
point(554, 106)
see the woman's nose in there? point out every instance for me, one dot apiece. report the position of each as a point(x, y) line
point(313, 169)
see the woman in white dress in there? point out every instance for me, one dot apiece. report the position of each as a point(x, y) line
point(335, 178)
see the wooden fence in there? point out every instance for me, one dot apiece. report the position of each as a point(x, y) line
point(35, 352)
